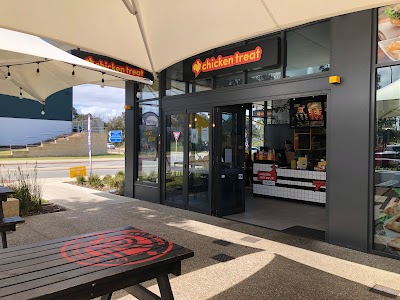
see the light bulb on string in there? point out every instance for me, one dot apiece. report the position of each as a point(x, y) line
point(73, 71)
point(102, 80)
point(8, 73)
point(43, 112)
point(37, 70)
point(20, 93)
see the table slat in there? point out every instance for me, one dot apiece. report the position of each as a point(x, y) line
point(64, 283)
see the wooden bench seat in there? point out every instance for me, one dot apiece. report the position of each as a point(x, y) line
point(9, 224)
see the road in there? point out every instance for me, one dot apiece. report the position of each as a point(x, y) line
point(57, 169)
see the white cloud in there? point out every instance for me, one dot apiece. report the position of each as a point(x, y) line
point(100, 102)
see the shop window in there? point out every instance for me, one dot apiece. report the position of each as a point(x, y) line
point(257, 126)
point(174, 80)
point(148, 92)
point(387, 161)
point(308, 50)
point(200, 85)
point(263, 75)
point(230, 80)
point(148, 116)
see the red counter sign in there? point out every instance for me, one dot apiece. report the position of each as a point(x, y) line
point(267, 177)
point(318, 184)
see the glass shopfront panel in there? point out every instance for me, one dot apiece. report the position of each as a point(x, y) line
point(174, 159)
point(230, 80)
point(263, 75)
point(199, 159)
point(257, 126)
point(387, 161)
point(174, 80)
point(308, 50)
point(201, 85)
point(148, 92)
point(148, 115)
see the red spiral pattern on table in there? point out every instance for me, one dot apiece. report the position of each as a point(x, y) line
point(115, 248)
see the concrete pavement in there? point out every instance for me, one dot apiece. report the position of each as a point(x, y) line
point(267, 264)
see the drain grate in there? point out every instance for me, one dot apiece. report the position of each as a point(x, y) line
point(250, 239)
point(222, 257)
point(385, 291)
point(222, 242)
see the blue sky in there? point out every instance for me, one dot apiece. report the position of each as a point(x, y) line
point(104, 102)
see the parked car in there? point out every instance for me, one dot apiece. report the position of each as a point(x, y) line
point(110, 146)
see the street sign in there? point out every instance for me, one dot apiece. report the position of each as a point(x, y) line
point(115, 139)
point(115, 136)
point(176, 135)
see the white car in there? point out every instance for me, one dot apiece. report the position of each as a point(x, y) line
point(110, 146)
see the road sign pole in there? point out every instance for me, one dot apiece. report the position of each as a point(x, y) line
point(176, 149)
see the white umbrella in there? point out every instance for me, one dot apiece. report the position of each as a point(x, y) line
point(154, 34)
point(34, 69)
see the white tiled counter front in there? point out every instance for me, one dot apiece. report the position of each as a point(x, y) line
point(291, 184)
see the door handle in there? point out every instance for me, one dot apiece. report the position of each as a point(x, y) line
point(223, 176)
point(240, 176)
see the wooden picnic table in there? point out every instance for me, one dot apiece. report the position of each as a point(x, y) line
point(91, 265)
point(7, 224)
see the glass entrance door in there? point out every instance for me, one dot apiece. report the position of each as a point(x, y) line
point(229, 145)
point(175, 193)
point(187, 161)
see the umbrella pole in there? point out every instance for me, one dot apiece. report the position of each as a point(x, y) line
point(90, 142)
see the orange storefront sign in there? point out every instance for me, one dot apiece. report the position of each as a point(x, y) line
point(115, 67)
point(221, 62)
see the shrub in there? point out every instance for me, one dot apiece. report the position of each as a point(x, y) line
point(113, 183)
point(27, 187)
point(107, 179)
point(95, 181)
point(81, 180)
point(118, 182)
point(120, 173)
point(121, 188)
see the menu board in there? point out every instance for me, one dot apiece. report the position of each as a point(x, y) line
point(301, 115)
point(306, 114)
point(315, 114)
point(388, 34)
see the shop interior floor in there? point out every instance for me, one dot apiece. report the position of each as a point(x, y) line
point(306, 232)
point(281, 214)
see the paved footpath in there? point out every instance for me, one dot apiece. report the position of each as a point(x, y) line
point(267, 264)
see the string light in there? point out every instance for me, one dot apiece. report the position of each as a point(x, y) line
point(37, 70)
point(20, 93)
point(43, 112)
point(8, 73)
point(102, 80)
point(73, 71)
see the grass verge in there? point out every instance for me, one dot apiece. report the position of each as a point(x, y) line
point(66, 157)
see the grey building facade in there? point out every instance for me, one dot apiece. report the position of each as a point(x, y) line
point(349, 47)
